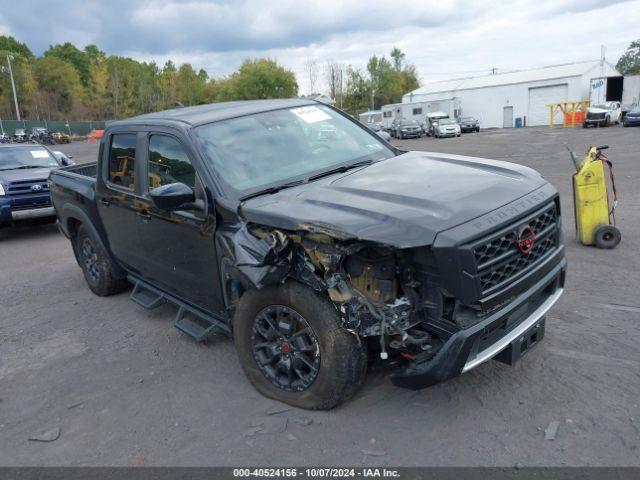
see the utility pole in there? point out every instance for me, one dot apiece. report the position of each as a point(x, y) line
point(13, 85)
point(341, 92)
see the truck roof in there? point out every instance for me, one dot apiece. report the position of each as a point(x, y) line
point(213, 112)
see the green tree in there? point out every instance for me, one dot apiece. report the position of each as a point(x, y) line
point(78, 58)
point(98, 91)
point(14, 47)
point(190, 87)
point(260, 78)
point(398, 57)
point(58, 84)
point(629, 62)
point(357, 92)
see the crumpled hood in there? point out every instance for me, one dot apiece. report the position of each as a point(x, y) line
point(402, 202)
point(597, 110)
point(31, 174)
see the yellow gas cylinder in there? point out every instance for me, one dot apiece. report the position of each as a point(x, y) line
point(592, 203)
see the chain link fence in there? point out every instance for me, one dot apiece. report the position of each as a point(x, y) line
point(79, 129)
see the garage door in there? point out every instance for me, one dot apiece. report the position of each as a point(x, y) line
point(539, 98)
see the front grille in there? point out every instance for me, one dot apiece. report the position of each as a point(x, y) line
point(25, 187)
point(498, 259)
point(595, 116)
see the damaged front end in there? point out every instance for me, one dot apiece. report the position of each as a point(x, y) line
point(374, 288)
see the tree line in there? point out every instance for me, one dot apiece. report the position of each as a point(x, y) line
point(383, 81)
point(66, 82)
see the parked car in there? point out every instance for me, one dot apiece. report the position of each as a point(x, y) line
point(41, 135)
point(603, 115)
point(632, 119)
point(468, 124)
point(318, 256)
point(431, 120)
point(383, 135)
point(408, 129)
point(4, 138)
point(61, 137)
point(446, 127)
point(20, 136)
point(24, 191)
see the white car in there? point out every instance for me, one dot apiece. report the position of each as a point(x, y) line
point(603, 115)
point(446, 127)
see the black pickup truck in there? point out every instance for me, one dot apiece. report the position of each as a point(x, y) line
point(317, 245)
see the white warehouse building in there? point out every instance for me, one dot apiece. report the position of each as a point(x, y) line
point(497, 100)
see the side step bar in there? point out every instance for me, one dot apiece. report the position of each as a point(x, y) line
point(189, 320)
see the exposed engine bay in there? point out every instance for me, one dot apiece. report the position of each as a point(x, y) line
point(378, 291)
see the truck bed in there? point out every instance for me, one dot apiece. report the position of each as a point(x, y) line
point(73, 188)
point(84, 169)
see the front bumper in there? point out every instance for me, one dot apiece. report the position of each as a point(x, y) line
point(14, 209)
point(448, 134)
point(595, 121)
point(414, 133)
point(631, 121)
point(485, 340)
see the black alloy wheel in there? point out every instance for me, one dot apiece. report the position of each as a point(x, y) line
point(285, 348)
point(90, 259)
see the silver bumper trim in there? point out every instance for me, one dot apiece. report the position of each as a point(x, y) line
point(33, 213)
point(504, 342)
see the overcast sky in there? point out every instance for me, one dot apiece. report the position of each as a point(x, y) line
point(442, 38)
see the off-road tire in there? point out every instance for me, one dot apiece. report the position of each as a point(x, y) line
point(343, 360)
point(607, 236)
point(102, 281)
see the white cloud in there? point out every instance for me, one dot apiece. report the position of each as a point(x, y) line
point(442, 38)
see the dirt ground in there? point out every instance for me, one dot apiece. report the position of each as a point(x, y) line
point(126, 388)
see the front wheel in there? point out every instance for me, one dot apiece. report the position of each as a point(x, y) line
point(293, 349)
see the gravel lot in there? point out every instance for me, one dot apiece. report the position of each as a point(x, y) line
point(126, 388)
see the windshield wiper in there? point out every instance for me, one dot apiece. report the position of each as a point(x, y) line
point(341, 169)
point(274, 189)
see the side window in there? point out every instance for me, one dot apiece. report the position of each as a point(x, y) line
point(169, 163)
point(122, 159)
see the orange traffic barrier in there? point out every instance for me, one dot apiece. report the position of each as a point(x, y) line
point(96, 135)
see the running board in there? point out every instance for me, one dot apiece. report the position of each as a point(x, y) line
point(189, 320)
point(146, 296)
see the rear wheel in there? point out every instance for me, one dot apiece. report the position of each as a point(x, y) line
point(293, 349)
point(607, 236)
point(96, 266)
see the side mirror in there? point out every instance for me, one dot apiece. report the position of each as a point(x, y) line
point(172, 196)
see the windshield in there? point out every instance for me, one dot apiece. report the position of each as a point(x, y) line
point(408, 122)
point(25, 157)
point(446, 121)
point(273, 148)
point(467, 119)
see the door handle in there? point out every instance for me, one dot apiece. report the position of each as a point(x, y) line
point(105, 202)
point(144, 216)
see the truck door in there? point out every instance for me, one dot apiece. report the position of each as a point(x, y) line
point(179, 247)
point(116, 197)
